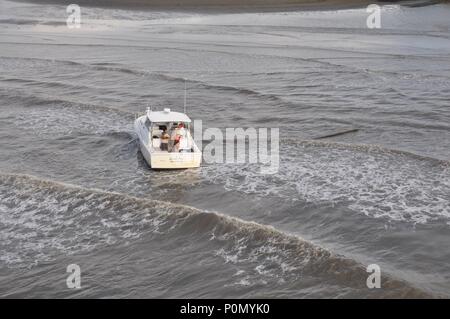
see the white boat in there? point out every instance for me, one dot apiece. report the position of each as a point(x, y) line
point(154, 128)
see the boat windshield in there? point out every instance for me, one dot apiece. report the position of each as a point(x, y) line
point(170, 127)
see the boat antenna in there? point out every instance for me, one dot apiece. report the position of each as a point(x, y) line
point(184, 96)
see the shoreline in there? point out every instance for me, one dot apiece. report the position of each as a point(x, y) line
point(235, 6)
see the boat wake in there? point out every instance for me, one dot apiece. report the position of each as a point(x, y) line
point(117, 68)
point(378, 182)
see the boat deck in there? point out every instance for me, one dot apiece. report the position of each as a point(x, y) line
point(159, 151)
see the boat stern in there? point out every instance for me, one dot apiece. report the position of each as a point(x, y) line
point(175, 160)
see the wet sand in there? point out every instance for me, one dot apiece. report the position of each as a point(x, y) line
point(234, 5)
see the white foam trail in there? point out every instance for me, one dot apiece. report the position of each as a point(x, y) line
point(371, 180)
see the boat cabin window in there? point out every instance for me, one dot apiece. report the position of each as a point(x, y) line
point(174, 140)
point(157, 129)
point(175, 125)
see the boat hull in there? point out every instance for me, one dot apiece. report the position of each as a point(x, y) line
point(160, 160)
point(175, 160)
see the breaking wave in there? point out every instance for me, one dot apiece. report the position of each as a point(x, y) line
point(41, 219)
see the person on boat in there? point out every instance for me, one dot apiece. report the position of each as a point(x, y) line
point(165, 137)
point(179, 136)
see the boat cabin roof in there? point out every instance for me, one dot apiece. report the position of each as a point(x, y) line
point(167, 116)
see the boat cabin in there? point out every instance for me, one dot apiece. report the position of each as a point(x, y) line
point(169, 131)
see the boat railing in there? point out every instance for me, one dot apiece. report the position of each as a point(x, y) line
point(138, 115)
